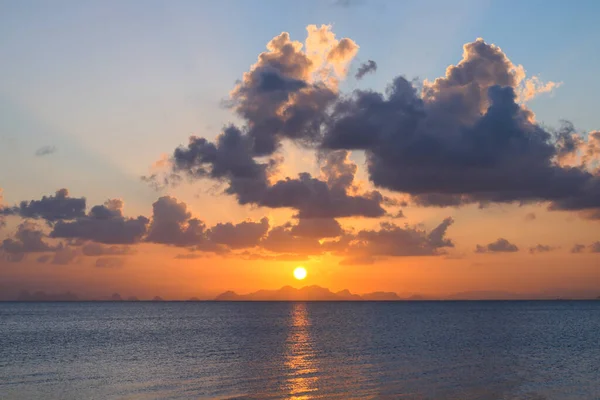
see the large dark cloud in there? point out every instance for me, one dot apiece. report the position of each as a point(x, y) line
point(173, 224)
point(28, 238)
point(465, 139)
point(54, 208)
point(230, 160)
point(278, 98)
point(104, 224)
point(501, 245)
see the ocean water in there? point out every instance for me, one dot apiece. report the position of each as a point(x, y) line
point(204, 350)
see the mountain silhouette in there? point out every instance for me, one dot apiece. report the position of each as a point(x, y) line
point(307, 293)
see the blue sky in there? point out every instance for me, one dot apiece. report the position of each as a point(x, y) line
point(113, 84)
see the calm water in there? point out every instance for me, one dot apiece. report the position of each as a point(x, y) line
point(409, 350)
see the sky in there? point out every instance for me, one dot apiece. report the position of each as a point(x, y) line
point(186, 148)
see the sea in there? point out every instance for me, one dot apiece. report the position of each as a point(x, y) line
point(457, 350)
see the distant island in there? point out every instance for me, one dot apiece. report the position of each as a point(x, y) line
point(308, 293)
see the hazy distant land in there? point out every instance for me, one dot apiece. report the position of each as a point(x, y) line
point(308, 293)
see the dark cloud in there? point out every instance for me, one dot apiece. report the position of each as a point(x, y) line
point(541, 248)
point(530, 216)
point(365, 68)
point(28, 238)
point(45, 150)
point(110, 262)
point(578, 248)
point(278, 98)
point(244, 234)
point(54, 208)
point(172, 224)
point(317, 228)
point(501, 245)
point(394, 241)
point(64, 255)
point(465, 139)
point(595, 247)
point(399, 214)
point(280, 239)
point(190, 256)
point(103, 224)
point(269, 257)
point(44, 258)
point(97, 249)
point(581, 248)
point(230, 160)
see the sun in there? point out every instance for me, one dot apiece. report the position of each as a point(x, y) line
point(300, 273)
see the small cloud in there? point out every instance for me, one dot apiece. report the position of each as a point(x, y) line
point(190, 256)
point(577, 248)
point(530, 216)
point(110, 262)
point(45, 151)
point(399, 214)
point(347, 3)
point(541, 248)
point(595, 247)
point(501, 245)
point(365, 68)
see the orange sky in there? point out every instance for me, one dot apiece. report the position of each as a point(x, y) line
point(171, 259)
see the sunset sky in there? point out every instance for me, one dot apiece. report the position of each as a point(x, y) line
point(186, 148)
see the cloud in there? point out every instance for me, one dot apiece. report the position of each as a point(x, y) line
point(172, 224)
point(581, 248)
point(4, 211)
point(103, 224)
point(244, 234)
point(533, 86)
point(190, 256)
point(97, 249)
point(45, 150)
point(28, 238)
point(365, 68)
point(530, 216)
point(395, 241)
point(501, 245)
point(463, 139)
point(281, 239)
point(53, 208)
point(287, 91)
point(317, 228)
point(64, 255)
point(269, 257)
point(110, 262)
point(541, 248)
point(230, 159)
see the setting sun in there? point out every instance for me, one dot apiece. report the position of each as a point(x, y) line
point(300, 273)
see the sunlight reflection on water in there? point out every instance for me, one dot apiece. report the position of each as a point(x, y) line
point(416, 351)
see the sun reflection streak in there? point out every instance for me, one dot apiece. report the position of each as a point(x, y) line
point(300, 367)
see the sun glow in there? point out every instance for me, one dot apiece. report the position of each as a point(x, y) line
point(300, 273)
